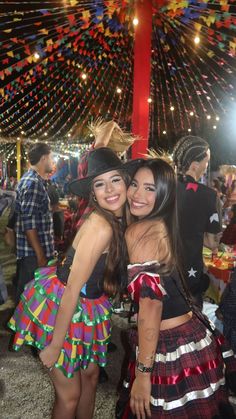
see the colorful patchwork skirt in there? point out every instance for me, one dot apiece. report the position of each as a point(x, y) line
point(188, 380)
point(34, 318)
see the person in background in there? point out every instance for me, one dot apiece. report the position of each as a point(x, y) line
point(229, 234)
point(175, 369)
point(65, 311)
point(199, 221)
point(231, 195)
point(34, 223)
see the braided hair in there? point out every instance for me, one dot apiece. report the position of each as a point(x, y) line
point(187, 150)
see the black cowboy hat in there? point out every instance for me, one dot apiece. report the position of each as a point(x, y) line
point(100, 161)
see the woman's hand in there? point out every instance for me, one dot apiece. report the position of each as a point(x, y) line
point(49, 356)
point(140, 396)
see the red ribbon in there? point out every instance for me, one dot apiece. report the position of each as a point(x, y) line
point(150, 281)
point(193, 186)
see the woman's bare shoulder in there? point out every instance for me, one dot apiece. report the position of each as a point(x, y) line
point(145, 241)
point(97, 226)
point(141, 228)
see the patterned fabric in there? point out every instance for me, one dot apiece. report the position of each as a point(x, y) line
point(144, 281)
point(33, 212)
point(141, 277)
point(197, 211)
point(188, 378)
point(228, 309)
point(89, 331)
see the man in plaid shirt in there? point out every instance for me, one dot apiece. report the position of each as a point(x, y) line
point(34, 224)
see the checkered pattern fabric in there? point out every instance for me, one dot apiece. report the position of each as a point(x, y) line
point(33, 212)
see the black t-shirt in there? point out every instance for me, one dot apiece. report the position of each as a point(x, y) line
point(197, 213)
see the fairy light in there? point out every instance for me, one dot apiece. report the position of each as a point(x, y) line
point(149, 100)
point(118, 90)
point(164, 132)
point(208, 116)
point(36, 55)
point(45, 134)
point(172, 108)
point(135, 21)
point(84, 76)
point(191, 113)
point(217, 118)
point(189, 130)
point(214, 126)
point(196, 40)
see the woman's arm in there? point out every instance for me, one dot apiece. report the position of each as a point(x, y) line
point(149, 319)
point(89, 248)
point(146, 242)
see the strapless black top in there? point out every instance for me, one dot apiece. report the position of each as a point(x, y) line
point(94, 286)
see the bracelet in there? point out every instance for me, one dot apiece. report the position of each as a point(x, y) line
point(142, 368)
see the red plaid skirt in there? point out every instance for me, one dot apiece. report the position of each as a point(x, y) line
point(188, 379)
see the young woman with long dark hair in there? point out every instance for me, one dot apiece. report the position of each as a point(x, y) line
point(176, 368)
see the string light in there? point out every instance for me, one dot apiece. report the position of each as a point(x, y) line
point(84, 76)
point(164, 132)
point(172, 108)
point(196, 40)
point(191, 113)
point(135, 21)
point(189, 130)
point(208, 116)
point(36, 55)
point(214, 126)
point(149, 100)
point(217, 118)
point(118, 90)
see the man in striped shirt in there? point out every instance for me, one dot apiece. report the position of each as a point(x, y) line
point(34, 225)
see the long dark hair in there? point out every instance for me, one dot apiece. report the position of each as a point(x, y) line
point(116, 263)
point(165, 208)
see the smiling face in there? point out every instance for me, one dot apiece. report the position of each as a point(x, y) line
point(110, 191)
point(141, 193)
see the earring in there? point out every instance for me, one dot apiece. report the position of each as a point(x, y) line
point(94, 197)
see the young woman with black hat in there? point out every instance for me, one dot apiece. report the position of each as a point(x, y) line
point(65, 311)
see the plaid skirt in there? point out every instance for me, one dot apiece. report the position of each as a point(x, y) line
point(34, 319)
point(188, 379)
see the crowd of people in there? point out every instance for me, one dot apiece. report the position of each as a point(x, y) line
point(140, 228)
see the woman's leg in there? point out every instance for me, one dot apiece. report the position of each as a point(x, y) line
point(67, 394)
point(89, 380)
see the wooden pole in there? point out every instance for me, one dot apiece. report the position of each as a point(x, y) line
point(18, 159)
